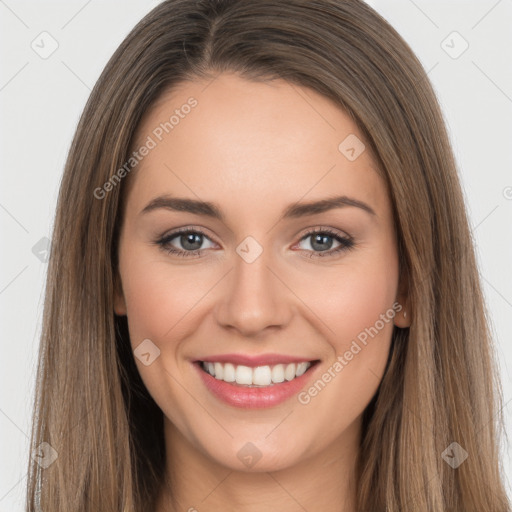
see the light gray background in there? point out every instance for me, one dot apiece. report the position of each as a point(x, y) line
point(41, 100)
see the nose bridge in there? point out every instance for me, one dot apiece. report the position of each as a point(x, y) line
point(253, 298)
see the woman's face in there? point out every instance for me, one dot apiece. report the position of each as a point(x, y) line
point(262, 280)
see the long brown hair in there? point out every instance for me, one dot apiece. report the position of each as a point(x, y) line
point(440, 385)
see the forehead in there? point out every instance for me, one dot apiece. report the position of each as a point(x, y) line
point(244, 141)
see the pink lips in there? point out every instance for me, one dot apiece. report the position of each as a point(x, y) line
point(254, 397)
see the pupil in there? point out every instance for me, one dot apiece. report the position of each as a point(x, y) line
point(191, 239)
point(318, 240)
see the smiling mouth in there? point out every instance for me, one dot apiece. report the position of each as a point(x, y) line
point(258, 376)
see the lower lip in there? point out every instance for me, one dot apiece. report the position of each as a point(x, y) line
point(254, 398)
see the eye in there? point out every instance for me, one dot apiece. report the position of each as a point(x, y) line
point(320, 242)
point(189, 242)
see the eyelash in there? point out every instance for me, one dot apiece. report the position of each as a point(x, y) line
point(346, 243)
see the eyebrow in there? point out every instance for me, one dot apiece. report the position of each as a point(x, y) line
point(293, 211)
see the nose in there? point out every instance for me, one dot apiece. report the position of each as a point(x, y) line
point(254, 299)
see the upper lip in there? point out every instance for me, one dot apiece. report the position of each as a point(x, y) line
point(254, 360)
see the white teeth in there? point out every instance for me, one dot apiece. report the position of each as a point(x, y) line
point(289, 373)
point(258, 376)
point(219, 371)
point(229, 373)
point(262, 376)
point(278, 373)
point(301, 368)
point(243, 375)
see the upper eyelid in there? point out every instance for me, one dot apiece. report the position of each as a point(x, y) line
point(181, 231)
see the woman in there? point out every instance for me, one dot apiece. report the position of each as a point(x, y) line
point(262, 290)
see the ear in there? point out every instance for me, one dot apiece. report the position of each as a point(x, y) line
point(403, 315)
point(402, 318)
point(119, 302)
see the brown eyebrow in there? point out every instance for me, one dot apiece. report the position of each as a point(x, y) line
point(296, 210)
point(315, 207)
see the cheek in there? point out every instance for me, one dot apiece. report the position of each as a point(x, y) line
point(359, 305)
point(352, 296)
point(366, 296)
point(158, 300)
point(158, 296)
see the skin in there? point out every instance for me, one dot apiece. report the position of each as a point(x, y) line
point(253, 149)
